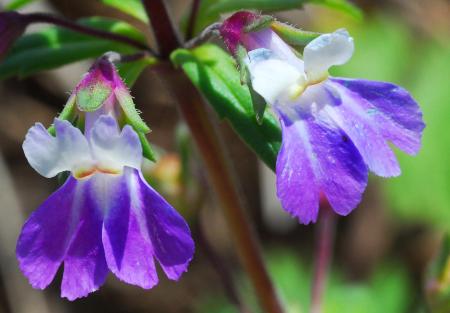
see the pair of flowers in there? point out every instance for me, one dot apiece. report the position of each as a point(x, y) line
point(106, 216)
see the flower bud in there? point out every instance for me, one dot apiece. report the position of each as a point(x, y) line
point(102, 91)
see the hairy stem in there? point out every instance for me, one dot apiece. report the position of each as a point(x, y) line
point(51, 19)
point(215, 158)
point(323, 256)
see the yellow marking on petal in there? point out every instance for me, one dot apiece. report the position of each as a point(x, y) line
point(83, 173)
point(321, 78)
point(109, 171)
point(296, 91)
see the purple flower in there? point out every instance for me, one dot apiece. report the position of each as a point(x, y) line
point(12, 26)
point(333, 129)
point(105, 217)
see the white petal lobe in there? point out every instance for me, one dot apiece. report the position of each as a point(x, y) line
point(49, 155)
point(325, 51)
point(271, 77)
point(113, 149)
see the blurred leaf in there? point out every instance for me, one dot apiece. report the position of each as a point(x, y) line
point(438, 280)
point(211, 10)
point(17, 4)
point(130, 7)
point(54, 47)
point(387, 291)
point(130, 71)
point(214, 73)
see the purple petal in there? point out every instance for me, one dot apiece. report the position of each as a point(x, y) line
point(170, 235)
point(128, 248)
point(296, 182)
point(317, 157)
point(46, 235)
point(341, 170)
point(397, 115)
point(85, 268)
point(365, 135)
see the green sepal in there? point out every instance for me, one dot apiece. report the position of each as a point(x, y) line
point(147, 150)
point(241, 56)
point(292, 35)
point(92, 97)
point(132, 115)
point(68, 113)
point(259, 104)
point(62, 177)
point(264, 21)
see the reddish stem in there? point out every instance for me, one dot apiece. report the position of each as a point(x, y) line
point(51, 19)
point(323, 256)
point(192, 19)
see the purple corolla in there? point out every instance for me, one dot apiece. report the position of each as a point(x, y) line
point(333, 129)
point(105, 217)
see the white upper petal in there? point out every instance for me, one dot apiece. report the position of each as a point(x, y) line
point(271, 77)
point(49, 155)
point(325, 51)
point(113, 149)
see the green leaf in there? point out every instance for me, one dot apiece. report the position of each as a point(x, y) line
point(130, 7)
point(54, 47)
point(130, 71)
point(17, 4)
point(214, 73)
point(211, 10)
point(259, 104)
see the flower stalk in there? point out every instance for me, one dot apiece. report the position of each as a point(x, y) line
point(215, 158)
point(323, 256)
